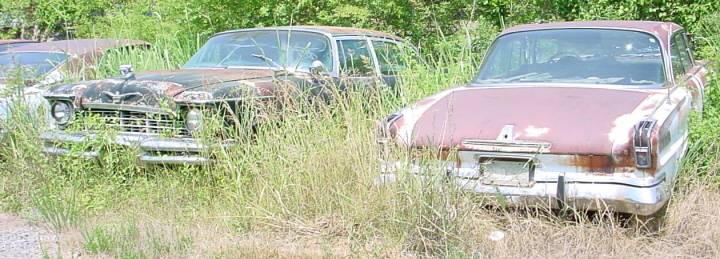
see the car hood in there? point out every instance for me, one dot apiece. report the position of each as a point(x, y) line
point(572, 120)
point(194, 78)
point(183, 85)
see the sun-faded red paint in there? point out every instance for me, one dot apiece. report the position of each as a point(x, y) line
point(332, 30)
point(575, 120)
point(16, 41)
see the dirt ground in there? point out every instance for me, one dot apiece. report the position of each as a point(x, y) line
point(22, 239)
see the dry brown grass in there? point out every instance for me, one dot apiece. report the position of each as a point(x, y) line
point(691, 230)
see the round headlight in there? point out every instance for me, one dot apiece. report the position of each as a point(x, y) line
point(61, 112)
point(194, 120)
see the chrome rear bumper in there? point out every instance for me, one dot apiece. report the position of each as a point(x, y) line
point(582, 196)
point(153, 149)
point(547, 189)
point(593, 196)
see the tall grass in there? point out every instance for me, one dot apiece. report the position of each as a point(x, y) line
point(305, 186)
point(164, 54)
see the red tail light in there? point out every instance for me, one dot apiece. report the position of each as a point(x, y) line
point(384, 131)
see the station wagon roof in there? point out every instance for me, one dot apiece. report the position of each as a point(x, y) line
point(330, 30)
point(662, 30)
point(79, 47)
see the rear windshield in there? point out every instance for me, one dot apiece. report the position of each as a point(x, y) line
point(591, 56)
point(29, 64)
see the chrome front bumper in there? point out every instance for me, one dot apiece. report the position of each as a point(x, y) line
point(580, 191)
point(153, 149)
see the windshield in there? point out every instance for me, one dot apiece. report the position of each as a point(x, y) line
point(32, 64)
point(279, 49)
point(588, 56)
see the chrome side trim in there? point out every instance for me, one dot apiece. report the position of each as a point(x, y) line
point(59, 96)
point(503, 146)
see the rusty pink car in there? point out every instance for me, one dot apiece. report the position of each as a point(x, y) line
point(592, 115)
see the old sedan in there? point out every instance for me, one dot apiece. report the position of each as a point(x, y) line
point(160, 113)
point(592, 115)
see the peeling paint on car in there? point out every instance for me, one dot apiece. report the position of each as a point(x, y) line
point(592, 146)
point(143, 105)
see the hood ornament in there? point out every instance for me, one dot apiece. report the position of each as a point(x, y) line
point(118, 98)
point(127, 72)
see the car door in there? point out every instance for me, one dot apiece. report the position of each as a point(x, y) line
point(691, 74)
point(357, 64)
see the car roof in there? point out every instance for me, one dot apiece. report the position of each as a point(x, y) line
point(78, 47)
point(662, 30)
point(16, 41)
point(329, 30)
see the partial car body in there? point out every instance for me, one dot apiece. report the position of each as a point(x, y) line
point(588, 114)
point(33, 67)
point(161, 112)
point(8, 44)
point(51, 62)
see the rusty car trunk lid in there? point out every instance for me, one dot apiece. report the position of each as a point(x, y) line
point(572, 120)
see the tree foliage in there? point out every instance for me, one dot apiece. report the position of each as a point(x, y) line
point(427, 21)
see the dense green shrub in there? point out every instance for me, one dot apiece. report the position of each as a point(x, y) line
point(437, 26)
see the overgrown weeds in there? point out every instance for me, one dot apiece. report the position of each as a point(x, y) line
point(305, 185)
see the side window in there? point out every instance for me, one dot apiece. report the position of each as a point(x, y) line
point(677, 58)
point(355, 58)
point(391, 58)
point(684, 50)
point(690, 44)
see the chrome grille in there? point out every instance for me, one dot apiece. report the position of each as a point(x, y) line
point(132, 121)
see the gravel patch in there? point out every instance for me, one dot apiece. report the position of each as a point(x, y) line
point(18, 239)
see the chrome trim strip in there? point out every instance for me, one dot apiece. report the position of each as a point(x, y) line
point(123, 107)
point(175, 160)
point(58, 96)
point(502, 146)
point(213, 101)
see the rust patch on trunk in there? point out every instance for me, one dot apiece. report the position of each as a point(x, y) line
point(593, 163)
point(602, 163)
